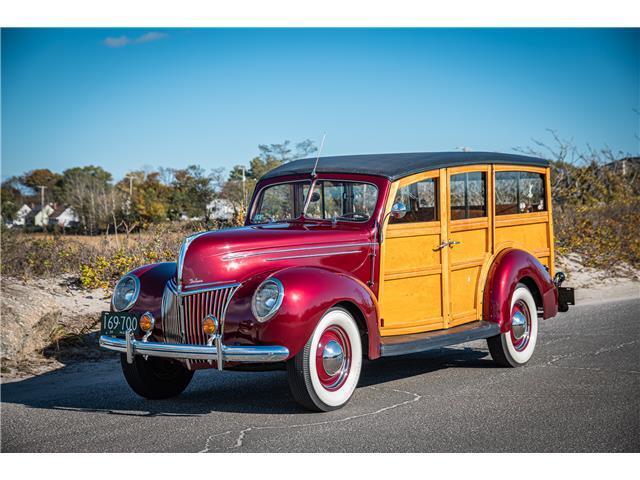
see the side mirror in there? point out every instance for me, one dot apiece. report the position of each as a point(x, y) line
point(315, 196)
point(398, 210)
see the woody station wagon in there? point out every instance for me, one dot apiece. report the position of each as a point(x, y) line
point(357, 256)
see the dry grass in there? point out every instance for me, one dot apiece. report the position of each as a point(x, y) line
point(96, 262)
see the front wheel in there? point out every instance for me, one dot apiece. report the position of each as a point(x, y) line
point(515, 347)
point(324, 374)
point(155, 378)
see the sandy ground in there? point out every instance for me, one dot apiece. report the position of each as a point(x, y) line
point(596, 286)
point(46, 323)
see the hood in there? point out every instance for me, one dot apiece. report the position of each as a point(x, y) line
point(234, 254)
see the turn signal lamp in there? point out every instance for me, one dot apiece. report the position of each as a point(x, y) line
point(147, 322)
point(210, 325)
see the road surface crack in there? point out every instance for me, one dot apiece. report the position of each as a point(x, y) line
point(239, 441)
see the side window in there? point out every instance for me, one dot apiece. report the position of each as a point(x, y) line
point(519, 192)
point(468, 195)
point(421, 200)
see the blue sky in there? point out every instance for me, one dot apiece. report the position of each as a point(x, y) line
point(128, 98)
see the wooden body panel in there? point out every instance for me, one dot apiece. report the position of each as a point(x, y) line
point(423, 288)
point(412, 281)
point(467, 258)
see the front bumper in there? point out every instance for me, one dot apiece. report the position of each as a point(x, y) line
point(219, 352)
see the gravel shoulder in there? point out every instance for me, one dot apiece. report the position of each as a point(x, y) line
point(46, 324)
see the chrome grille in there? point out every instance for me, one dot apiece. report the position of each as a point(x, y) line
point(183, 312)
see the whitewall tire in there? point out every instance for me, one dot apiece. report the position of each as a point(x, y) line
point(325, 373)
point(515, 347)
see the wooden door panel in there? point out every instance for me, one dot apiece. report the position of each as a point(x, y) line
point(413, 304)
point(467, 258)
point(412, 296)
point(464, 285)
point(413, 279)
point(474, 245)
point(407, 253)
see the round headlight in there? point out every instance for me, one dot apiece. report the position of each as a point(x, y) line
point(267, 299)
point(126, 293)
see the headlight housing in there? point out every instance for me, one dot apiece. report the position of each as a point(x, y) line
point(267, 299)
point(126, 293)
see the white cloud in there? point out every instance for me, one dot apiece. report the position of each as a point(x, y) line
point(123, 41)
point(150, 37)
point(117, 42)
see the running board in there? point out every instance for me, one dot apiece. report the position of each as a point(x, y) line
point(419, 342)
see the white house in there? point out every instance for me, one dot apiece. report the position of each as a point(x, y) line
point(64, 217)
point(21, 215)
point(220, 209)
point(41, 215)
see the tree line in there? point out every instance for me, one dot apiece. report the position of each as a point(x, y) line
point(144, 197)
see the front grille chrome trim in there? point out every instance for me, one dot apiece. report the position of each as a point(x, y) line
point(183, 311)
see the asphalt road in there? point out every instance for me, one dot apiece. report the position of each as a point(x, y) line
point(580, 392)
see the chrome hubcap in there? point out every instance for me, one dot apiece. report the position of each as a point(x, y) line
point(519, 325)
point(332, 358)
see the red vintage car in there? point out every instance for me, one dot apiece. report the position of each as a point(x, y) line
point(357, 256)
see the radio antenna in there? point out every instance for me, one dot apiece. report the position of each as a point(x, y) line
point(313, 172)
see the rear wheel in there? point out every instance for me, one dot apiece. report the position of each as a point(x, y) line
point(324, 374)
point(155, 378)
point(515, 347)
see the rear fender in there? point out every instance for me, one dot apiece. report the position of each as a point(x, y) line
point(510, 267)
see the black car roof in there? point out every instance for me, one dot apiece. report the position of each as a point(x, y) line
point(397, 165)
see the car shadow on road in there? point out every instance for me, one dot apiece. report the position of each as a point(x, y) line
point(100, 387)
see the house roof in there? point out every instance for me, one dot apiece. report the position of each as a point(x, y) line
point(57, 211)
point(397, 165)
point(37, 209)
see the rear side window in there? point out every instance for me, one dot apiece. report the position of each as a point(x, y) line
point(520, 192)
point(468, 195)
point(421, 201)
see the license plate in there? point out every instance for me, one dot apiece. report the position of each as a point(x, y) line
point(119, 323)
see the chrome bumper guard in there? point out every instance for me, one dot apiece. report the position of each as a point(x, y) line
point(219, 353)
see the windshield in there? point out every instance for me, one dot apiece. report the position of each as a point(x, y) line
point(330, 200)
point(281, 202)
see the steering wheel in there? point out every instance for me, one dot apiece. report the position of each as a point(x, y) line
point(354, 215)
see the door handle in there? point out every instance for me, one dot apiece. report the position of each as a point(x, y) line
point(441, 246)
point(449, 243)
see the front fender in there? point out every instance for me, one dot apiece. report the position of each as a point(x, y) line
point(308, 293)
point(153, 278)
point(509, 268)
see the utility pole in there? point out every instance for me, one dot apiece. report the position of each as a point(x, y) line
point(129, 200)
point(43, 214)
point(244, 189)
point(42, 189)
